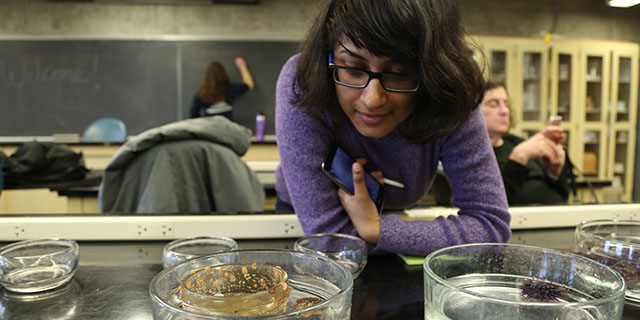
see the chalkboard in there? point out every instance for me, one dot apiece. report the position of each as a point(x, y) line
point(60, 86)
point(264, 59)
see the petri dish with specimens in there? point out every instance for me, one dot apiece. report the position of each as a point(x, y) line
point(240, 289)
point(38, 265)
point(615, 243)
point(508, 281)
point(182, 250)
point(348, 250)
point(253, 284)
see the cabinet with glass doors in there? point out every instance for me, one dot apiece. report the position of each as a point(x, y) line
point(591, 84)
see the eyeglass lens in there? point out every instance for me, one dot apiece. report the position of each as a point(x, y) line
point(360, 78)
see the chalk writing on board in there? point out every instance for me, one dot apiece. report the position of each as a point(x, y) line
point(37, 70)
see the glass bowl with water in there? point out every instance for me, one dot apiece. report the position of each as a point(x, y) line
point(508, 281)
point(348, 250)
point(38, 265)
point(615, 243)
point(181, 250)
point(317, 287)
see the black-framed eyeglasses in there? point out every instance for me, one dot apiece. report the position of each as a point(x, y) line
point(359, 78)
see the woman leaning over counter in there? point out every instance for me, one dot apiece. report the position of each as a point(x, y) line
point(395, 86)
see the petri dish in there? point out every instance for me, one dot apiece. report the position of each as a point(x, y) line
point(615, 243)
point(38, 265)
point(236, 289)
point(349, 251)
point(320, 287)
point(508, 281)
point(181, 250)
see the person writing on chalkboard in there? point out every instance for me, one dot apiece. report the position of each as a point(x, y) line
point(394, 85)
point(216, 94)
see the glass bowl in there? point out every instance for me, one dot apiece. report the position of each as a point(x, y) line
point(508, 281)
point(319, 287)
point(38, 265)
point(348, 250)
point(236, 289)
point(615, 243)
point(181, 250)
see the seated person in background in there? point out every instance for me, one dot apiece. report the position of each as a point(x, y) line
point(533, 170)
point(215, 94)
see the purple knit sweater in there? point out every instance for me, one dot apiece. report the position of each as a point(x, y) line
point(466, 155)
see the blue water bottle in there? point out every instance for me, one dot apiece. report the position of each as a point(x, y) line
point(260, 119)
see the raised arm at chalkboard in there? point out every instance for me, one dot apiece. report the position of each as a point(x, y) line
point(244, 71)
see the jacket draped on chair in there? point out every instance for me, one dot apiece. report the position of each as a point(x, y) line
point(189, 166)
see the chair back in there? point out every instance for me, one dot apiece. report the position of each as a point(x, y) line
point(105, 130)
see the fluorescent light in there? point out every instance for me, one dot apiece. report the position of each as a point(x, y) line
point(623, 3)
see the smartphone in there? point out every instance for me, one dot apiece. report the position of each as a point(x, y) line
point(337, 166)
point(555, 120)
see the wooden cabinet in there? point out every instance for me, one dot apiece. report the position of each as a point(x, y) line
point(564, 88)
point(623, 104)
point(592, 84)
point(522, 65)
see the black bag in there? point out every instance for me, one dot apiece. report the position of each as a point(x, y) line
point(37, 162)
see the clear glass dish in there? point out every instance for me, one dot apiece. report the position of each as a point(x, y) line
point(181, 250)
point(508, 281)
point(615, 243)
point(320, 288)
point(348, 250)
point(38, 265)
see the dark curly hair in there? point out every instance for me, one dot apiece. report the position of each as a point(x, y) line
point(425, 36)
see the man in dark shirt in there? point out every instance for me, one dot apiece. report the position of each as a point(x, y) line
point(533, 170)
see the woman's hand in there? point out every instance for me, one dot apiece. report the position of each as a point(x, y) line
point(360, 208)
point(247, 78)
point(554, 166)
point(241, 63)
point(542, 145)
point(553, 133)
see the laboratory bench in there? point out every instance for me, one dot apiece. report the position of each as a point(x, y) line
point(112, 282)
